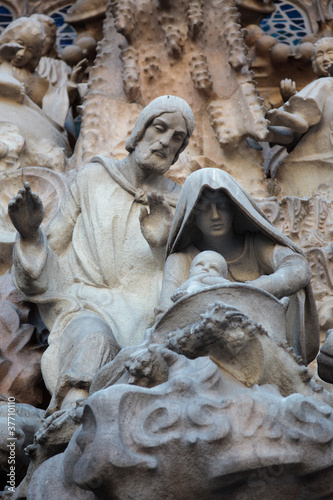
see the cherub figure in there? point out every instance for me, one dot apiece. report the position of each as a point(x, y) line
point(208, 268)
point(306, 119)
point(63, 80)
point(21, 46)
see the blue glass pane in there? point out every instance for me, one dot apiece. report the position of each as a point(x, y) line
point(66, 34)
point(67, 29)
point(6, 17)
point(77, 125)
point(287, 23)
point(65, 42)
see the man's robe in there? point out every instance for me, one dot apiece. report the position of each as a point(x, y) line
point(94, 258)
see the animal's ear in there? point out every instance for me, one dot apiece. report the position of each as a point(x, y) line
point(170, 357)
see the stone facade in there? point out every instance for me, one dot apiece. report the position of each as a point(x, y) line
point(203, 391)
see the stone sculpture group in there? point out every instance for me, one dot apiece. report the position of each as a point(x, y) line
point(174, 325)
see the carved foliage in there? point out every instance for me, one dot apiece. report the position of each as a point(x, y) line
point(130, 73)
point(194, 17)
point(124, 16)
point(200, 74)
point(174, 36)
point(151, 67)
point(207, 37)
point(308, 222)
point(228, 126)
point(256, 110)
point(236, 45)
point(219, 122)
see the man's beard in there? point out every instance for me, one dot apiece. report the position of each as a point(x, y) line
point(148, 160)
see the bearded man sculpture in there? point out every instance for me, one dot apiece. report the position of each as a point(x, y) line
point(87, 269)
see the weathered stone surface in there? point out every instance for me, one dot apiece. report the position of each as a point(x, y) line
point(308, 115)
point(90, 303)
point(214, 213)
point(26, 420)
point(23, 340)
point(50, 185)
point(180, 439)
point(196, 51)
point(171, 423)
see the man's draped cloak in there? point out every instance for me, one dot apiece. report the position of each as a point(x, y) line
point(94, 258)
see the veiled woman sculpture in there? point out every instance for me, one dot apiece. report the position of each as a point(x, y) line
point(215, 213)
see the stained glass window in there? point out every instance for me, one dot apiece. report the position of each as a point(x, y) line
point(287, 23)
point(6, 17)
point(66, 34)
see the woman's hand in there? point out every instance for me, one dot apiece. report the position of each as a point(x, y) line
point(268, 284)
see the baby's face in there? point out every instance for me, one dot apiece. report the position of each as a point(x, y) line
point(209, 264)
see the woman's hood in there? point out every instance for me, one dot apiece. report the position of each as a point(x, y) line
point(247, 217)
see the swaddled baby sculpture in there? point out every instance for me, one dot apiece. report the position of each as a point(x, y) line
point(208, 268)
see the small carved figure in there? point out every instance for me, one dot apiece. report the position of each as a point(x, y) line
point(146, 367)
point(307, 115)
point(26, 47)
point(21, 45)
point(102, 242)
point(63, 80)
point(215, 213)
point(207, 268)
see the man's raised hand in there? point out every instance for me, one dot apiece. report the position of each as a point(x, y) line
point(155, 225)
point(26, 212)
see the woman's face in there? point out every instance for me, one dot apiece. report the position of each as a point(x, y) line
point(213, 214)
